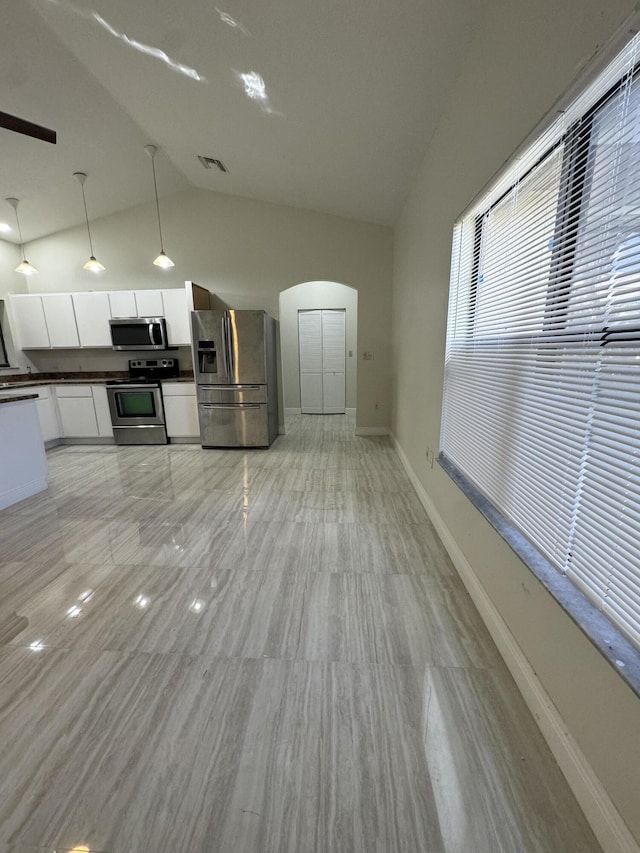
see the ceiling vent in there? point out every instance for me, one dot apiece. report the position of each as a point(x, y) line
point(212, 163)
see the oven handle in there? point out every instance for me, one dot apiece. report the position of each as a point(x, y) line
point(133, 386)
point(151, 341)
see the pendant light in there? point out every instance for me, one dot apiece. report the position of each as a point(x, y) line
point(163, 260)
point(24, 266)
point(92, 264)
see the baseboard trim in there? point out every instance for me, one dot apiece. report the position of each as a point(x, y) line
point(372, 430)
point(103, 439)
point(603, 817)
point(23, 491)
point(292, 412)
point(350, 412)
point(282, 430)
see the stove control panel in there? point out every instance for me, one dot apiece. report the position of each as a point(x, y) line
point(154, 368)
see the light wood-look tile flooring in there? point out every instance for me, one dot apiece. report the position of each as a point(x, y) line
point(255, 652)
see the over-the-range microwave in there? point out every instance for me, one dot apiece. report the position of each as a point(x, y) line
point(135, 333)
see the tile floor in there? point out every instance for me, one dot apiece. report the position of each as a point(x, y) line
point(257, 652)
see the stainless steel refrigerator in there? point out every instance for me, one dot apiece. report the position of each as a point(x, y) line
point(234, 362)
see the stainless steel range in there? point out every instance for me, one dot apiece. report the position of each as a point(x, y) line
point(137, 411)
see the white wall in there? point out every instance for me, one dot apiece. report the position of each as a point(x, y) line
point(11, 282)
point(305, 297)
point(523, 57)
point(246, 252)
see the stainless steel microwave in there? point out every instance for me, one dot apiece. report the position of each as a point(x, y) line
point(135, 333)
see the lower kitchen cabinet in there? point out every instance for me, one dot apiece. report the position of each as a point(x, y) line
point(103, 415)
point(77, 411)
point(47, 413)
point(181, 409)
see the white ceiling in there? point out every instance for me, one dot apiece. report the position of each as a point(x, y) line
point(354, 90)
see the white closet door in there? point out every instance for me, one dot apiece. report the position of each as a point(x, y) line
point(310, 344)
point(333, 362)
point(321, 335)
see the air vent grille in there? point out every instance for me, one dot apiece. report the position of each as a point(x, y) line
point(212, 163)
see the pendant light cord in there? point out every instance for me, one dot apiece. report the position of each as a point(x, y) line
point(86, 217)
point(19, 232)
point(155, 189)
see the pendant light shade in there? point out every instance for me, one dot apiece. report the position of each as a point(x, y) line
point(92, 264)
point(163, 260)
point(24, 266)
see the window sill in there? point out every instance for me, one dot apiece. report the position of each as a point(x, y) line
point(612, 645)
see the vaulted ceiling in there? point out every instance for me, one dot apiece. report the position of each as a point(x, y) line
point(323, 105)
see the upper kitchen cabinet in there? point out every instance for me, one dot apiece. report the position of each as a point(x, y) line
point(149, 303)
point(61, 320)
point(93, 313)
point(45, 320)
point(72, 320)
point(30, 324)
point(123, 304)
point(177, 317)
point(136, 303)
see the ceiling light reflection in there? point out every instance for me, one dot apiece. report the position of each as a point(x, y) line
point(256, 89)
point(74, 612)
point(149, 50)
point(37, 646)
point(197, 605)
point(254, 86)
point(142, 602)
point(86, 595)
point(226, 18)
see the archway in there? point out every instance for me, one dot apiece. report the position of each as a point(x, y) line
point(314, 295)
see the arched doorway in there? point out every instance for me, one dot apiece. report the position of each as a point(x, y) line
point(312, 296)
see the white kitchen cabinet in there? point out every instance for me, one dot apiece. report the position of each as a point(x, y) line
point(149, 303)
point(177, 317)
point(123, 303)
point(30, 324)
point(47, 413)
point(68, 320)
point(103, 415)
point(77, 411)
point(181, 409)
point(61, 320)
point(93, 313)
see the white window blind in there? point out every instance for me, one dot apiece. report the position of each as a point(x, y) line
point(541, 408)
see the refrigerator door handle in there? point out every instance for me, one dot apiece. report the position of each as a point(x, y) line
point(233, 388)
point(229, 336)
point(223, 348)
point(227, 406)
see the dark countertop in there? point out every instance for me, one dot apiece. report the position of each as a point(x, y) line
point(18, 398)
point(30, 380)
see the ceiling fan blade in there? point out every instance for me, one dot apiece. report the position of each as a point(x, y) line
point(20, 125)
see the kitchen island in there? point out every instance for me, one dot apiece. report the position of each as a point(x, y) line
point(23, 464)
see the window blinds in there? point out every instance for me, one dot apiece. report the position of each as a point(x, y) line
point(541, 407)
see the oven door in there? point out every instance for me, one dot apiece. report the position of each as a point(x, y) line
point(135, 405)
